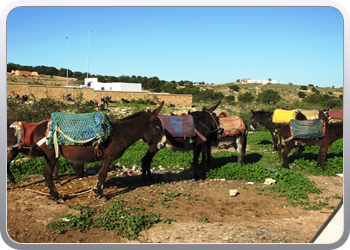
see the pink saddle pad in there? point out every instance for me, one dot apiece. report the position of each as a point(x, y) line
point(177, 126)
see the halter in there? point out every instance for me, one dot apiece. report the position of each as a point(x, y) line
point(218, 127)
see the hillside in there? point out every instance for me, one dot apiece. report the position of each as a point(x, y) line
point(288, 93)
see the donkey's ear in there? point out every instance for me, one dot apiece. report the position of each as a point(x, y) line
point(252, 112)
point(214, 107)
point(157, 110)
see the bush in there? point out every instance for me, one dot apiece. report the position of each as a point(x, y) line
point(246, 97)
point(303, 87)
point(234, 88)
point(230, 98)
point(269, 96)
point(301, 94)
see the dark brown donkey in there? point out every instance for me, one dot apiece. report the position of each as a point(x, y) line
point(265, 118)
point(142, 125)
point(333, 132)
point(199, 140)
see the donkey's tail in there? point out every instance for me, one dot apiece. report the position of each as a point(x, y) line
point(33, 147)
point(279, 147)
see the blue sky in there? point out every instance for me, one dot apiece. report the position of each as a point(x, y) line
point(302, 45)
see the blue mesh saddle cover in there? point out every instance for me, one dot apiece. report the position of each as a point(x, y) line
point(79, 127)
point(177, 126)
point(308, 129)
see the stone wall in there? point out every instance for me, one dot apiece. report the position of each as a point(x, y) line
point(87, 94)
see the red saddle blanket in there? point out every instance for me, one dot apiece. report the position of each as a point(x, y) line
point(335, 114)
point(23, 131)
point(177, 126)
point(232, 125)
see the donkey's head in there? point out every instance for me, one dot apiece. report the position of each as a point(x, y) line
point(153, 131)
point(259, 117)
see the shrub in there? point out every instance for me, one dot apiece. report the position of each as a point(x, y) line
point(269, 96)
point(301, 94)
point(234, 88)
point(246, 97)
point(230, 98)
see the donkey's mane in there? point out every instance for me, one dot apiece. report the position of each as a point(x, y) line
point(263, 112)
point(141, 112)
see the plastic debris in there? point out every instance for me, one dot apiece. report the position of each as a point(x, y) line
point(233, 192)
point(272, 170)
point(269, 181)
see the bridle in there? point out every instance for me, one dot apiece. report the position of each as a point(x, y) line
point(218, 126)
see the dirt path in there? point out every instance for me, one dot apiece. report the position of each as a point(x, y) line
point(204, 212)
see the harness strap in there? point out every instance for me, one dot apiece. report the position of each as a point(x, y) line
point(200, 135)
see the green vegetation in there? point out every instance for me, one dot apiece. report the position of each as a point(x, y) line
point(292, 184)
point(252, 95)
point(126, 221)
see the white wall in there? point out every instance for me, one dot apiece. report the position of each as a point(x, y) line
point(116, 86)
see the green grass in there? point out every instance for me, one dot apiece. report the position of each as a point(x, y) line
point(292, 184)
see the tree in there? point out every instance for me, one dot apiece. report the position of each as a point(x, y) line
point(303, 87)
point(269, 96)
point(269, 80)
point(52, 71)
point(63, 72)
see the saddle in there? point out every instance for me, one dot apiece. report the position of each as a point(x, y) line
point(178, 126)
point(77, 129)
point(335, 115)
point(233, 125)
point(23, 131)
point(307, 129)
point(283, 116)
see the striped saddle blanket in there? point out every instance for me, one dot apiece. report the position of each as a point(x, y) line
point(233, 125)
point(77, 129)
point(308, 129)
point(177, 126)
point(310, 114)
point(283, 116)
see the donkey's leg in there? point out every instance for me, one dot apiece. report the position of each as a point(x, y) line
point(241, 146)
point(10, 156)
point(78, 169)
point(146, 166)
point(48, 174)
point(102, 175)
point(287, 148)
point(274, 140)
point(322, 155)
point(196, 151)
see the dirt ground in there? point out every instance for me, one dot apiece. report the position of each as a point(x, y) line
point(203, 213)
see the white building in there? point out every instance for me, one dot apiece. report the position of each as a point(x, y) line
point(246, 80)
point(113, 86)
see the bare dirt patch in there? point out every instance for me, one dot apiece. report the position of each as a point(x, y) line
point(204, 212)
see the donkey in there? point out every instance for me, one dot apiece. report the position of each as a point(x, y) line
point(142, 125)
point(334, 131)
point(208, 128)
point(265, 118)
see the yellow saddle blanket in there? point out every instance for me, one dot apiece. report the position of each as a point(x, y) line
point(283, 116)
